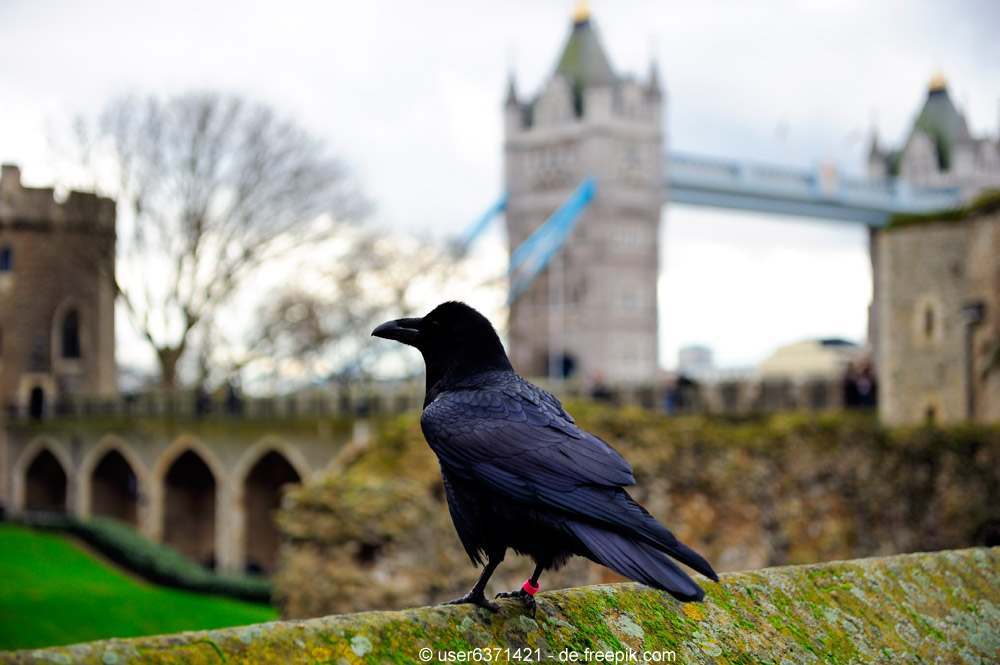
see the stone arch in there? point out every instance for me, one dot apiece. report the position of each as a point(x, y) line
point(42, 477)
point(112, 481)
point(190, 481)
point(259, 478)
point(262, 447)
point(36, 404)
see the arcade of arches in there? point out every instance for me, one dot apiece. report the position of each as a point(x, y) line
point(214, 504)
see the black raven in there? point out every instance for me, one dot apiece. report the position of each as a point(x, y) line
point(520, 474)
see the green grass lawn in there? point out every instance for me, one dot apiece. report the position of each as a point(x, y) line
point(53, 593)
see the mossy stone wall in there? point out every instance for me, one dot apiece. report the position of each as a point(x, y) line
point(788, 489)
point(941, 607)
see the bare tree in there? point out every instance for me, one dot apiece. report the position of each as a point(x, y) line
point(210, 188)
point(322, 324)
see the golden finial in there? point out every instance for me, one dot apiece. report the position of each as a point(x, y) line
point(581, 13)
point(938, 82)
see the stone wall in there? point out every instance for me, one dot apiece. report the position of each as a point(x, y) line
point(788, 489)
point(984, 288)
point(942, 608)
point(921, 357)
point(938, 308)
point(208, 487)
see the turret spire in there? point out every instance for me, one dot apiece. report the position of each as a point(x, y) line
point(938, 82)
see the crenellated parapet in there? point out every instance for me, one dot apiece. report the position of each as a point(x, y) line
point(37, 207)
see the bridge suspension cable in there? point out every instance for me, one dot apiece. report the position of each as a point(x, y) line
point(534, 254)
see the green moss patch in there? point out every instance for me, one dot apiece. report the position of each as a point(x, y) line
point(935, 607)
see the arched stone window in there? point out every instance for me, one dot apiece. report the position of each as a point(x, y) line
point(70, 332)
point(928, 320)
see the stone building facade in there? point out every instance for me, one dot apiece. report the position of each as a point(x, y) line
point(56, 296)
point(939, 317)
point(592, 314)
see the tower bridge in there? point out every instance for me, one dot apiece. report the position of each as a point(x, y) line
point(586, 310)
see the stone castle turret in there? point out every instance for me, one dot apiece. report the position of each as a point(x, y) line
point(56, 296)
point(592, 314)
point(940, 151)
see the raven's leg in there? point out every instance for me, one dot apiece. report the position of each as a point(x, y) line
point(476, 595)
point(527, 598)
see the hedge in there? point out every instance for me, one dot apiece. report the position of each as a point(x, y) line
point(156, 562)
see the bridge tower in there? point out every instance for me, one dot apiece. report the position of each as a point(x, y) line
point(592, 314)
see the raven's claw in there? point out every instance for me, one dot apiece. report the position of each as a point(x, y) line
point(475, 599)
point(522, 595)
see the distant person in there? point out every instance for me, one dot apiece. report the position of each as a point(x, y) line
point(599, 390)
point(202, 402)
point(234, 403)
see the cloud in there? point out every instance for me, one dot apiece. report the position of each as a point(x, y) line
point(410, 95)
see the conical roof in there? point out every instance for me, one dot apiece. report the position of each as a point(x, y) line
point(583, 61)
point(941, 121)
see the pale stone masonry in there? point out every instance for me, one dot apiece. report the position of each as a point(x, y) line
point(939, 317)
point(594, 308)
point(57, 296)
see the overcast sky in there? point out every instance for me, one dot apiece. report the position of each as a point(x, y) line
point(410, 95)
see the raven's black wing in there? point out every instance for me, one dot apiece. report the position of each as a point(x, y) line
point(510, 434)
point(516, 439)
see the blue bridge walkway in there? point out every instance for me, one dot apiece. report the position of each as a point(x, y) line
point(820, 193)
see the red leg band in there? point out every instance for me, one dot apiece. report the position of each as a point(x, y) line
point(530, 588)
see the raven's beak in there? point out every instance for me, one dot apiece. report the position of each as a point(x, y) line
point(406, 331)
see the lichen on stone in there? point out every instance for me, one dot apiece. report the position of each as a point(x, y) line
point(841, 612)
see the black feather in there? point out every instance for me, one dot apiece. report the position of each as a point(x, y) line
point(520, 474)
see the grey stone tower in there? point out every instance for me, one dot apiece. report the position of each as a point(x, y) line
point(57, 321)
point(592, 314)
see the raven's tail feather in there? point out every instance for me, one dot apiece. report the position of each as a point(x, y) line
point(689, 557)
point(662, 539)
point(637, 560)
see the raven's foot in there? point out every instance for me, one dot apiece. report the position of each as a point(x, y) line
point(473, 598)
point(522, 595)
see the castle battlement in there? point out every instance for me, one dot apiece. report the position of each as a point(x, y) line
point(37, 206)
